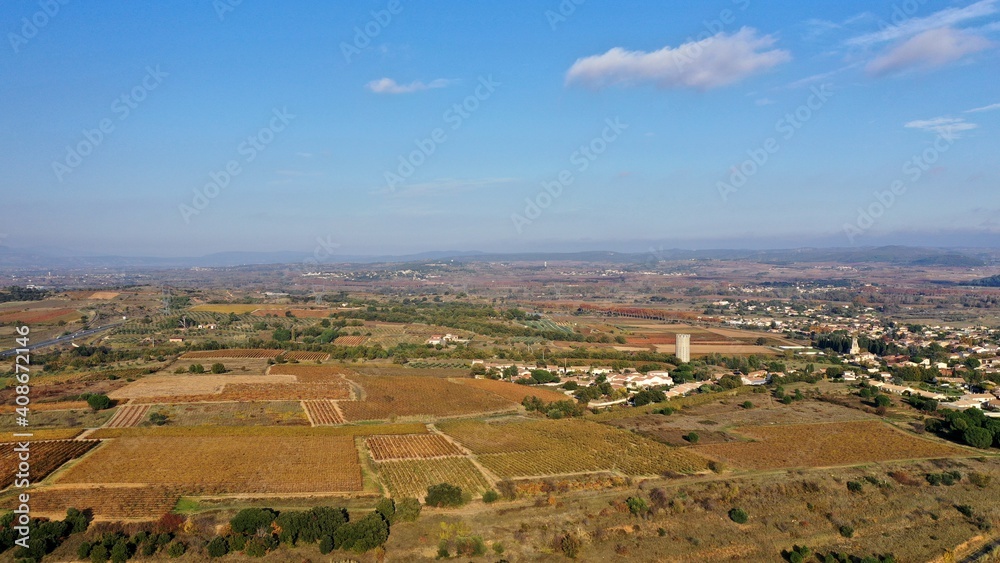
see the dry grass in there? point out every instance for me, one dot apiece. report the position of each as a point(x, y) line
point(179, 385)
point(825, 444)
point(262, 464)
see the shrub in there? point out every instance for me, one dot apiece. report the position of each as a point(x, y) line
point(846, 531)
point(250, 520)
point(387, 508)
point(980, 480)
point(218, 368)
point(491, 496)
point(255, 547)
point(119, 553)
point(882, 401)
point(364, 534)
point(158, 418)
point(470, 547)
point(747, 405)
point(83, 552)
point(176, 549)
point(636, 505)
point(218, 547)
point(692, 437)
point(978, 437)
point(570, 546)
point(407, 510)
point(196, 368)
point(168, 524)
point(665, 411)
point(99, 554)
point(854, 486)
point(738, 515)
point(326, 545)
point(444, 494)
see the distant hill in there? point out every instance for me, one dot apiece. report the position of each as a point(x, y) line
point(992, 281)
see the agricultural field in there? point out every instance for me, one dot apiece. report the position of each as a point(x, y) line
point(165, 386)
point(44, 434)
point(261, 464)
point(232, 353)
point(323, 413)
point(513, 391)
point(306, 373)
point(553, 447)
point(225, 309)
point(128, 415)
point(413, 446)
point(107, 502)
point(250, 432)
point(39, 316)
point(410, 478)
point(271, 311)
point(254, 413)
point(46, 457)
point(350, 340)
point(306, 356)
point(81, 416)
point(402, 396)
point(826, 444)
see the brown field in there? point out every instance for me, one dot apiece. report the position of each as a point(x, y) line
point(45, 457)
point(825, 444)
point(108, 502)
point(183, 384)
point(226, 308)
point(410, 478)
point(401, 396)
point(305, 373)
point(104, 295)
point(262, 464)
point(306, 356)
point(414, 446)
point(513, 391)
point(39, 316)
point(323, 413)
point(551, 447)
point(245, 431)
point(44, 434)
point(232, 353)
point(128, 415)
point(53, 406)
point(259, 413)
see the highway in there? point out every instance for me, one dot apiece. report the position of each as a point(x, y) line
point(62, 339)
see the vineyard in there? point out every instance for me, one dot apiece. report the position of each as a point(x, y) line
point(46, 457)
point(410, 478)
point(255, 432)
point(513, 391)
point(323, 413)
point(261, 413)
point(261, 464)
point(115, 503)
point(128, 415)
point(39, 316)
point(551, 447)
point(225, 309)
point(400, 396)
point(426, 364)
point(822, 445)
point(306, 356)
point(305, 373)
point(350, 340)
point(45, 434)
point(418, 446)
point(232, 353)
point(297, 313)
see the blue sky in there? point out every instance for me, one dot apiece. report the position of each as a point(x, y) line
point(733, 123)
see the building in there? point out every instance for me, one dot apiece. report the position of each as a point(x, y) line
point(682, 347)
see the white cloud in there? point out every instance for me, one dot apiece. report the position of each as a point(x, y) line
point(929, 49)
point(947, 127)
point(990, 107)
point(914, 26)
point(390, 86)
point(716, 61)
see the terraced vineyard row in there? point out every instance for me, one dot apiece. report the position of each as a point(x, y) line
point(323, 413)
point(127, 415)
point(232, 353)
point(414, 446)
point(398, 396)
point(410, 478)
point(522, 449)
point(107, 502)
point(46, 457)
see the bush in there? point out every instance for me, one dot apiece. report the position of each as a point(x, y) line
point(168, 524)
point(636, 505)
point(747, 405)
point(407, 510)
point(83, 552)
point(444, 494)
point(854, 486)
point(491, 496)
point(387, 508)
point(218, 368)
point(326, 545)
point(176, 549)
point(882, 401)
point(364, 534)
point(665, 411)
point(196, 368)
point(159, 418)
point(99, 402)
point(250, 520)
point(978, 437)
point(99, 554)
point(570, 546)
point(218, 547)
point(692, 437)
point(119, 553)
point(738, 515)
point(846, 531)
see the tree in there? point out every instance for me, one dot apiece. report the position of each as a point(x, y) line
point(637, 505)
point(250, 520)
point(882, 401)
point(364, 534)
point(387, 508)
point(159, 418)
point(176, 549)
point(196, 368)
point(443, 494)
point(491, 496)
point(738, 515)
point(99, 402)
point(218, 367)
point(282, 334)
point(218, 547)
point(978, 437)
